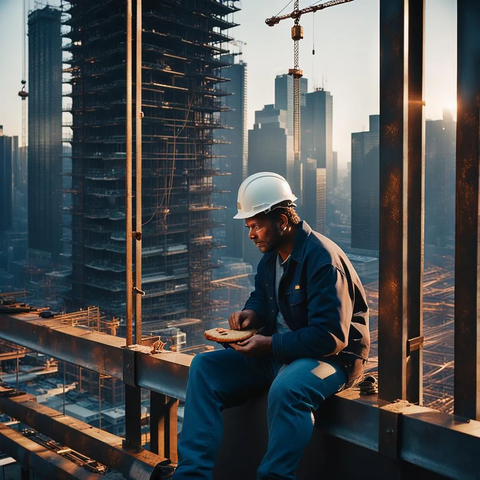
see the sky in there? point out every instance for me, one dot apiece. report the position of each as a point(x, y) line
point(345, 38)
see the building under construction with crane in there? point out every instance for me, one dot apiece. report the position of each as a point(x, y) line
point(182, 45)
point(301, 165)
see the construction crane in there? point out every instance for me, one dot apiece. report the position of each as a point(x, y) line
point(297, 35)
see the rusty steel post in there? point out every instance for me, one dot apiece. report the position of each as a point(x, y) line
point(138, 170)
point(392, 301)
point(133, 420)
point(128, 183)
point(163, 426)
point(416, 200)
point(467, 286)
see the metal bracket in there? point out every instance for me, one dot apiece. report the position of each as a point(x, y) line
point(389, 428)
point(129, 376)
point(138, 291)
point(149, 341)
point(137, 235)
point(414, 344)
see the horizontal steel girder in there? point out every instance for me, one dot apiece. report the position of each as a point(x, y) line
point(439, 442)
point(102, 446)
point(164, 373)
point(436, 441)
point(39, 459)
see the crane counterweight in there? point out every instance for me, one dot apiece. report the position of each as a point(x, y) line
point(297, 32)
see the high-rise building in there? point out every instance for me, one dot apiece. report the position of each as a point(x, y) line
point(181, 100)
point(270, 145)
point(440, 142)
point(8, 158)
point(232, 153)
point(334, 170)
point(316, 131)
point(365, 179)
point(284, 96)
point(314, 187)
point(316, 157)
point(20, 192)
point(45, 131)
point(284, 100)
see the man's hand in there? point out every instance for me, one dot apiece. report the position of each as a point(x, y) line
point(254, 346)
point(243, 319)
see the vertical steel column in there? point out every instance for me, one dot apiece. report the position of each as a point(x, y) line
point(128, 183)
point(133, 417)
point(467, 286)
point(392, 302)
point(415, 199)
point(138, 170)
point(132, 393)
point(163, 426)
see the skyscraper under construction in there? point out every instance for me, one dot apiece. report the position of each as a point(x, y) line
point(182, 45)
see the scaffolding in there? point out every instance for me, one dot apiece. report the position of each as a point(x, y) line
point(182, 47)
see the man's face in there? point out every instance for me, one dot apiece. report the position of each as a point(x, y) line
point(263, 232)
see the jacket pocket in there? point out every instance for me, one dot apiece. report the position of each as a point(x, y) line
point(296, 298)
point(297, 304)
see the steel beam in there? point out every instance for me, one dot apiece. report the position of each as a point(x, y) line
point(82, 437)
point(439, 442)
point(164, 373)
point(163, 426)
point(133, 418)
point(467, 232)
point(392, 301)
point(39, 459)
point(401, 199)
point(415, 200)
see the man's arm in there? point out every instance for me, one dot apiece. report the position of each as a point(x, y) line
point(329, 310)
point(257, 302)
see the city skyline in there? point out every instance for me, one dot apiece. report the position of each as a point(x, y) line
point(345, 61)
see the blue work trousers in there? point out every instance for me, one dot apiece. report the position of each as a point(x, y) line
point(226, 378)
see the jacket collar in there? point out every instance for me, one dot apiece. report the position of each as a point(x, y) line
point(303, 232)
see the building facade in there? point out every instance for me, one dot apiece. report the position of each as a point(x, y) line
point(270, 145)
point(440, 145)
point(284, 96)
point(316, 156)
point(365, 202)
point(232, 154)
point(8, 158)
point(45, 132)
point(314, 187)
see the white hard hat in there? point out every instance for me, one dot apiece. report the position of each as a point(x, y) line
point(260, 192)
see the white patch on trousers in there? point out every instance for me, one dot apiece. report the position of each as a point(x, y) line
point(324, 370)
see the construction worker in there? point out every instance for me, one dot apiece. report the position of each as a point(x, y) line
point(311, 311)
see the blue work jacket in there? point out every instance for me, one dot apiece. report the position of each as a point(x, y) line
point(320, 297)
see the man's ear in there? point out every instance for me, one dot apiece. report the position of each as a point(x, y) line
point(283, 222)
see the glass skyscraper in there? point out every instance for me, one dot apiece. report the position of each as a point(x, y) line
point(45, 131)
